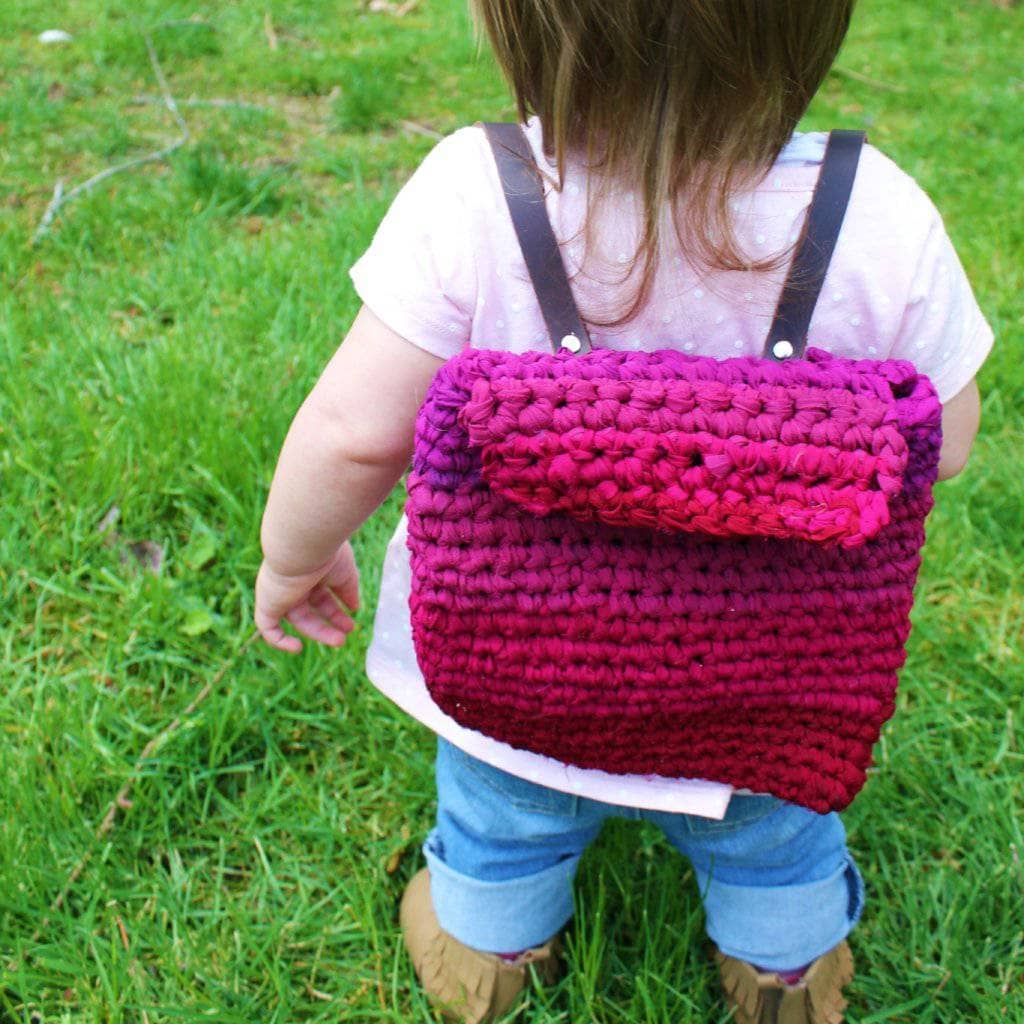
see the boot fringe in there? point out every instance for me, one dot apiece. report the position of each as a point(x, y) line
point(764, 998)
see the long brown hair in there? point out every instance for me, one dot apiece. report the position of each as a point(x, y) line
point(677, 98)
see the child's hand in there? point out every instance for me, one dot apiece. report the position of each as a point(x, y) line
point(312, 603)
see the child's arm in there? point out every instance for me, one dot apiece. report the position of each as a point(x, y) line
point(960, 418)
point(346, 449)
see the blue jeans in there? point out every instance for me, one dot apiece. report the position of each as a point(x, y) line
point(778, 884)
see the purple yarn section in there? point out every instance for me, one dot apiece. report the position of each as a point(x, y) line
point(667, 564)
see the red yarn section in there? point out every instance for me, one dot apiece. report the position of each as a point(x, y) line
point(661, 564)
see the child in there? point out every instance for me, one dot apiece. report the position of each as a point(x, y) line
point(677, 189)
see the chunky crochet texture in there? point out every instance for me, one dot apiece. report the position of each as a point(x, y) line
point(665, 564)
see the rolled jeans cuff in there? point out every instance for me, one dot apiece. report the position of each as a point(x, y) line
point(784, 927)
point(500, 917)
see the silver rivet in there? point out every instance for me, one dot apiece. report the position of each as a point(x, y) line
point(572, 343)
point(782, 349)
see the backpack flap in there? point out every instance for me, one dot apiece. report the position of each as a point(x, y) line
point(811, 462)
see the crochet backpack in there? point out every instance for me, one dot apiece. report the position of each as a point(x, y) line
point(657, 563)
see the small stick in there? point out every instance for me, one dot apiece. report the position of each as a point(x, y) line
point(387, 7)
point(61, 198)
point(268, 30)
point(124, 934)
point(875, 83)
point(420, 129)
point(122, 801)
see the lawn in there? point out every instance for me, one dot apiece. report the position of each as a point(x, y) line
point(155, 343)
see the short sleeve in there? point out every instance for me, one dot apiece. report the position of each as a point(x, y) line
point(419, 273)
point(943, 332)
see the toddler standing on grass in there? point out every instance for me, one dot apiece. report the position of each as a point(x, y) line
point(677, 187)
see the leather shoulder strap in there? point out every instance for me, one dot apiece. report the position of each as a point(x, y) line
point(524, 193)
point(787, 336)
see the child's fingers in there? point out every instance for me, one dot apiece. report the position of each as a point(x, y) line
point(328, 606)
point(305, 619)
point(271, 631)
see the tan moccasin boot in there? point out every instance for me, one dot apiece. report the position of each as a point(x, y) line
point(764, 998)
point(467, 985)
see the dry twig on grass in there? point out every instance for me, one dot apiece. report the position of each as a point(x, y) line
point(61, 198)
point(387, 7)
point(420, 129)
point(875, 83)
point(269, 31)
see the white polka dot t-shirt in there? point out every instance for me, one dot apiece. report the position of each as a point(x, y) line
point(444, 270)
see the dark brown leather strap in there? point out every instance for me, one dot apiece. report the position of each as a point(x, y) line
point(524, 193)
point(787, 337)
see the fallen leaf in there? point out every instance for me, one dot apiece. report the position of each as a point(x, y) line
point(146, 553)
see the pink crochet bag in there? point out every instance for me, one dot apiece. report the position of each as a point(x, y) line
point(655, 563)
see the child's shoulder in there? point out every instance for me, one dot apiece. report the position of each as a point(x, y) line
point(463, 161)
point(463, 145)
point(891, 229)
point(883, 192)
point(458, 162)
point(888, 190)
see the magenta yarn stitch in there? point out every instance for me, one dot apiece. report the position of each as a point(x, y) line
point(656, 563)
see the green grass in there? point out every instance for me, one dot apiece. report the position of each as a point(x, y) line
point(154, 348)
